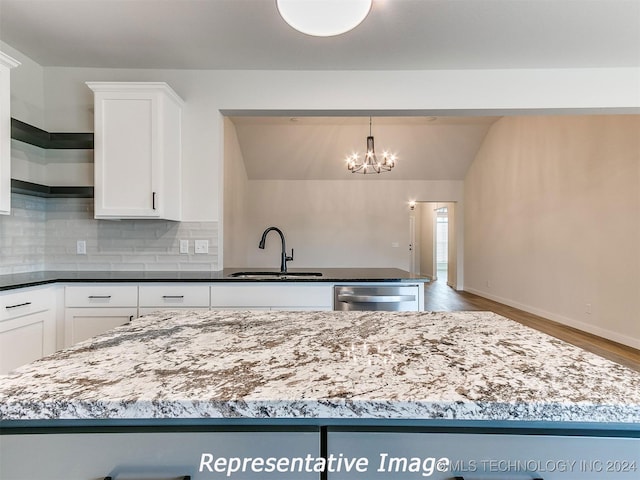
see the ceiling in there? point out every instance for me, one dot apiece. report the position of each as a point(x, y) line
point(299, 148)
point(396, 35)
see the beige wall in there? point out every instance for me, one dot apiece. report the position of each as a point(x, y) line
point(66, 104)
point(234, 249)
point(552, 220)
point(427, 236)
point(350, 223)
point(207, 93)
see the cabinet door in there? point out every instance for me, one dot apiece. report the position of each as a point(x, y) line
point(137, 151)
point(6, 64)
point(84, 323)
point(25, 339)
point(27, 326)
point(126, 172)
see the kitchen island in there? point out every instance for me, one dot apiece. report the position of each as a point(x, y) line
point(466, 388)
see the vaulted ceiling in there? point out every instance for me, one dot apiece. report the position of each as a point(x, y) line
point(296, 148)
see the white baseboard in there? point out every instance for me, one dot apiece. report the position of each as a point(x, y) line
point(586, 327)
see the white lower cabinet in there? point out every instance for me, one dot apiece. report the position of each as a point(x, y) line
point(84, 323)
point(27, 326)
point(172, 296)
point(293, 454)
point(270, 296)
point(97, 308)
point(474, 456)
point(155, 455)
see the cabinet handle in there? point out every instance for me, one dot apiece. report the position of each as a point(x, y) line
point(99, 296)
point(153, 200)
point(18, 305)
point(184, 477)
point(172, 296)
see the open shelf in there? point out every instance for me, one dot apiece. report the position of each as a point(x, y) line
point(23, 132)
point(38, 190)
point(26, 133)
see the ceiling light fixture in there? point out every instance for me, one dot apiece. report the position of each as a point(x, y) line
point(324, 18)
point(370, 163)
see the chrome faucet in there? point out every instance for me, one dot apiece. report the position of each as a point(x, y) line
point(284, 257)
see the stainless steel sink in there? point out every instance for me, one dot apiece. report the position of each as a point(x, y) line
point(279, 275)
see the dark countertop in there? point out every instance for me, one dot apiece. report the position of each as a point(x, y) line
point(20, 280)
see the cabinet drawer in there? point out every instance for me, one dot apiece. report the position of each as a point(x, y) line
point(174, 295)
point(100, 295)
point(25, 302)
point(444, 456)
point(162, 456)
point(285, 295)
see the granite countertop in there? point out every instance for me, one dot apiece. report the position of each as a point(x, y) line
point(20, 280)
point(327, 365)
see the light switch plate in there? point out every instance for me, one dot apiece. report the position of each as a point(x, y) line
point(184, 246)
point(81, 247)
point(202, 246)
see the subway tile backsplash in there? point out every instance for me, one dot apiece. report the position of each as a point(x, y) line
point(43, 234)
point(22, 235)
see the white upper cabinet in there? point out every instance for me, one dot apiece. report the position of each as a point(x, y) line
point(6, 64)
point(137, 150)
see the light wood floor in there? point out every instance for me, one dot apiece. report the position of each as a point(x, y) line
point(441, 298)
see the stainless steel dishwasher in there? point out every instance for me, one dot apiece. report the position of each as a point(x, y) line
point(391, 298)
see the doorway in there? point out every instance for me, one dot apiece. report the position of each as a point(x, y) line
point(442, 243)
point(433, 241)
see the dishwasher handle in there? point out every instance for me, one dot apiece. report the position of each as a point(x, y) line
point(351, 298)
point(184, 477)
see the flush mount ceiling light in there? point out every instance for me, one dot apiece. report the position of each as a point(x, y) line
point(370, 163)
point(324, 18)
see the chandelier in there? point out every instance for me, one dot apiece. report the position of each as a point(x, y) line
point(370, 162)
point(323, 18)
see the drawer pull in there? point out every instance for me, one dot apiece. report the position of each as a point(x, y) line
point(18, 305)
point(99, 296)
point(172, 296)
point(184, 477)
